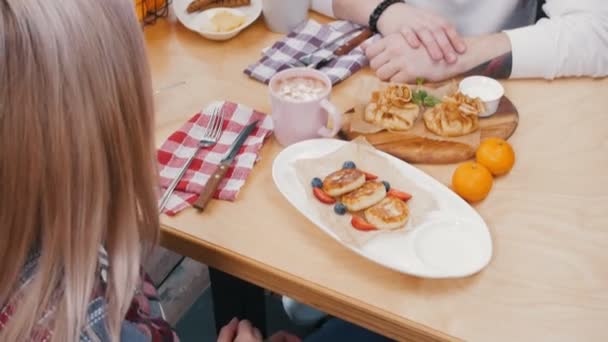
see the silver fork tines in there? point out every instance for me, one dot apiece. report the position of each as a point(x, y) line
point(214, 128)
point(211, 136)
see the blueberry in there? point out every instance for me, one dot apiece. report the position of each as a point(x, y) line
point(349, 165)
point(340, 208)
point(316, 182)
point(387, 185)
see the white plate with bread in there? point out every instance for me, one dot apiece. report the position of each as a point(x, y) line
point(449, 241)
point(217, 19)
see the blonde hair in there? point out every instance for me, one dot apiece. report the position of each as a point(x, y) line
point(77, 164)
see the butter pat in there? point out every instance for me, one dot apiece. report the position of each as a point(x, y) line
point(224, 21)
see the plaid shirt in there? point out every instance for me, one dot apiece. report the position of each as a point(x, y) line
point(143, 322)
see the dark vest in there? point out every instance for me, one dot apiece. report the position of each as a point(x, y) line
point(539, 10)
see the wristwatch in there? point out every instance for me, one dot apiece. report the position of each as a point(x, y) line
point(375, 16)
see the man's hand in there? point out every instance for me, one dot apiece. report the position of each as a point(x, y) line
point(243, 331)
point(422, 27)
point(393, 59)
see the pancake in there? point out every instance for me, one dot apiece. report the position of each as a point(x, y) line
point(399, 94)
point(392, 108)
point(456, 116)
point(367, 195)
point(393, 118)
point(343, 181)
point(390, 213)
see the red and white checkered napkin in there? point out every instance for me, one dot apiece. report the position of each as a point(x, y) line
point(176, 150)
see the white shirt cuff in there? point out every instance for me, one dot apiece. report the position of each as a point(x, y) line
point(533, 48)
point(325, 7)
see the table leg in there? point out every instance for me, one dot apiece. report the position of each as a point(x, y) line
point(233, 297)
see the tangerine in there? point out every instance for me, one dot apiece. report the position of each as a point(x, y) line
point(472, 181)
point(497, 155)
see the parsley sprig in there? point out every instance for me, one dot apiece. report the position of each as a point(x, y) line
point(422, 98)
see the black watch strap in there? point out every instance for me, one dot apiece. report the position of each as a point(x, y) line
point(375, 16)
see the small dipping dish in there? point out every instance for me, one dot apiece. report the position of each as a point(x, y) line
point(487, 89)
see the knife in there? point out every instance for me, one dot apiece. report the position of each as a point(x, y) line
point(306, 58)
point(220, 172)
point(344, 49)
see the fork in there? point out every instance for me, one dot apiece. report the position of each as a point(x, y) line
point(211, 135)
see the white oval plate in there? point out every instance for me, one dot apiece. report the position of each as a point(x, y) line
point(198, 21)
point(451, 242)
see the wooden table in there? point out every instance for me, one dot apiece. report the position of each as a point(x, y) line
point(548, 279)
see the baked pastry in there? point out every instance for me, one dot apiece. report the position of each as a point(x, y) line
point(392, 108)
point(455, 116)
point(198, 5)
point(390, 213)
point(343, 181)
point(365, 196)
point(201, 5)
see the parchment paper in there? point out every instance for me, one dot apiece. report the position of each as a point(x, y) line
point(365, 157)
point(359, 125)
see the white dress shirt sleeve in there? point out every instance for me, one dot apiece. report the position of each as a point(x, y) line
point(573, 41)
point(325, 7)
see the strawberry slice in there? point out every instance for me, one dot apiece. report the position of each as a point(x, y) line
point(369, 176)
point(322, 196)
point(360, 224)
point(404, 196)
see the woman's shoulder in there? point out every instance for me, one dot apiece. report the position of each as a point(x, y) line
point(144, 320)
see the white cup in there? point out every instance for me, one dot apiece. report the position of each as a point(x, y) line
point(282, 16)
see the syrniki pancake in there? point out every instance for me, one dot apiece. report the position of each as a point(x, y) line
point(343, 181)
point(390, 213)
point(364, 197)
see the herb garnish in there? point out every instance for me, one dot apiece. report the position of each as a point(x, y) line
point(422, 98)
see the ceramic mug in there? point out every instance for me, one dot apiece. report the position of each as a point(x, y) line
point(301, 120)
point(282, 16)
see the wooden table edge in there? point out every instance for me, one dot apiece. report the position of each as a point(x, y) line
point(322, 298)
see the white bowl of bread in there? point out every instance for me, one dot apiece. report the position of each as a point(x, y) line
point(217, 19)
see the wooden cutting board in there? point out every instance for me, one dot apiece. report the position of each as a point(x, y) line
point(427, 151)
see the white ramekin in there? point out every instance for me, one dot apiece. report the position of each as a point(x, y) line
point(489, 90)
